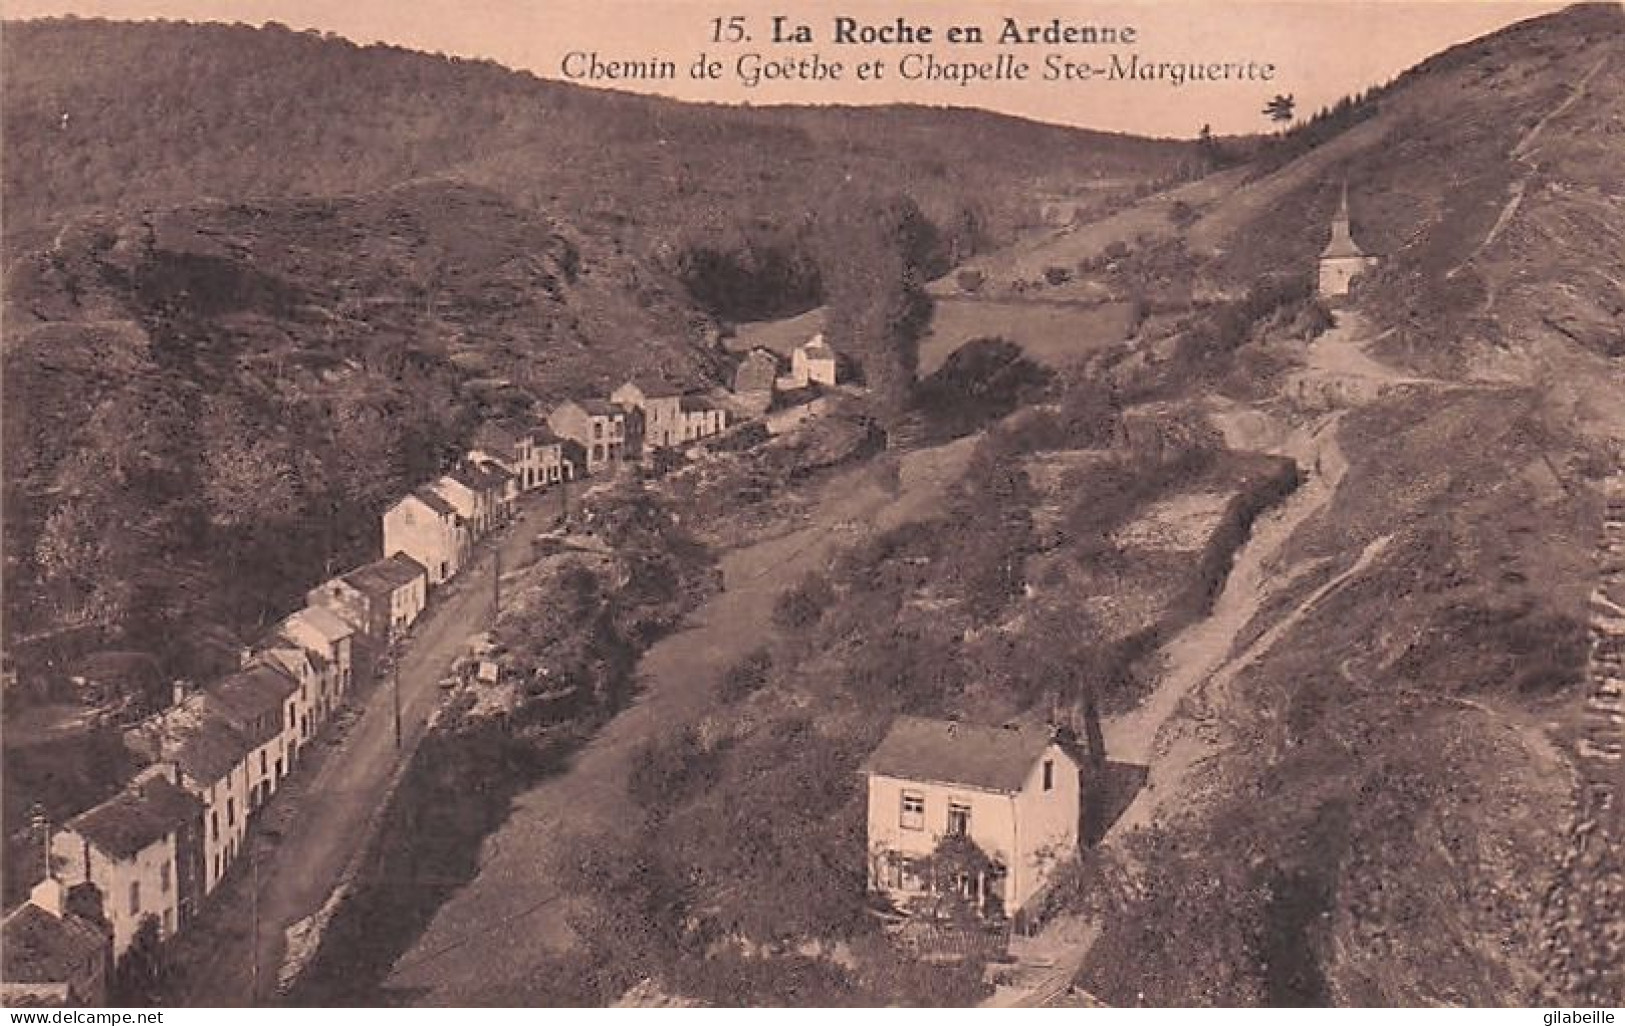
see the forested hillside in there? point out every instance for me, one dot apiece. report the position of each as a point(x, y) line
point(104, 115)
point(207, 407)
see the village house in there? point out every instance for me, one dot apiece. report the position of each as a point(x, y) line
point(54, 951)
point(702, 418)
point(1342, 260)
point(141, 849)
point(553, 457)
point(813, 363)
point(211, 759)
point(380, 600)
point(308, 707)
point(327, 638)
point(427, 528)
point(1012, 791)
point(254, 701)
point(754, 381)
point(607, 432)
point(659, 405)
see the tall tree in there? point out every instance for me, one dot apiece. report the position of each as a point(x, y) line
point(876, 255)
point(1280, 108)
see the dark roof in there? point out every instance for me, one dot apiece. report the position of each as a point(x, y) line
point(818, 349)
point(39, 947)
point(384, 576)
point(207, 749)
point(496, 437)
point(497, 472)
point(252, 692)
point(602, 407)
point(654, 388)
point(433, 501)
point(137, 817)
point(696, 403)
point(945, 752)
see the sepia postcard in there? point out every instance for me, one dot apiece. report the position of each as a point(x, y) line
point(996, 504)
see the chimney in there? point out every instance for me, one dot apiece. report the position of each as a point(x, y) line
point(245, 655)
point(48, 894)
point(178, 690)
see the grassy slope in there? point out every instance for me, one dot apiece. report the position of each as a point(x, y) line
point(1386, 820)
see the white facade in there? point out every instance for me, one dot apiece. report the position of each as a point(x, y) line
point(428, 529)
point(1028, 831)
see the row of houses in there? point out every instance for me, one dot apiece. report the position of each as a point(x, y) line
point(216, 755)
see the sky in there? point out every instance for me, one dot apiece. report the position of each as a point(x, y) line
point(1321, 49)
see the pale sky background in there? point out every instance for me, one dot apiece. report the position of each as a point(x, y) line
point(1323, 48)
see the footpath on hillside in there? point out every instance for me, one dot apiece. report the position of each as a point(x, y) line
point(1172, 732)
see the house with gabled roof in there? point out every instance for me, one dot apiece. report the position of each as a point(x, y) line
point(381, 600)
point(51, 954)
point(813, 363)
point(426, 527)
point(254, 701)
point(657, 403)
point(1011, 791)
point(606, 432)
point(702, 418)
point(328, 639)
point(142, 849)
point(211, 759)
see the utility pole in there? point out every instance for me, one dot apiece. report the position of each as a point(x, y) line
point(254, 932)
point(496, 580)
point(395, 697)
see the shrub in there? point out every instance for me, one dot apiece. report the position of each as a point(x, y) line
point(1181, 214)
point(747, 676)
point(971, 279)
point(670, 770)
point(1056, 275)
point(802, 606)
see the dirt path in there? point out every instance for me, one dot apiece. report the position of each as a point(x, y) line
point(327, 823)
point(484, 944)
point(1171, 732)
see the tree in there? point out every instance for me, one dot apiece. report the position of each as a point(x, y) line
point(876, 256)
point(1280, 108)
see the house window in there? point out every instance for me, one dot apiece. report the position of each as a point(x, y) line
point(169, 924)
point(597, 452)
point(231, 812)
point(598, 429)
point(1049, 774)
point(958, 818)
point(217, 865)
point(135, 897)
point(214, 825)
point(163, 878)
point(913, 817)
point(262, 762)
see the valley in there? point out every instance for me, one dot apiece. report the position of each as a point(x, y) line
point(1315, 585)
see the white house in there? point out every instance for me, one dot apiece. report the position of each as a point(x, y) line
point(254, 702)
point(328, 638)
point(1012, 790)
point(135, 848)
point(211, 758)
point(660, 406)
point(813, 362)
point(427, 528)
